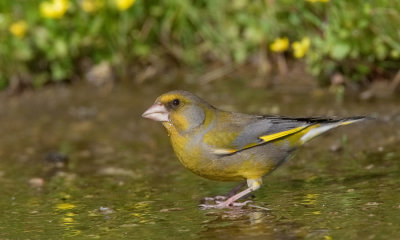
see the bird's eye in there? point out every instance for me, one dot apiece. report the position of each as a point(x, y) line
point(176, 102)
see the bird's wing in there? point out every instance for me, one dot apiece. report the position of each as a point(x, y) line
point(270, 128)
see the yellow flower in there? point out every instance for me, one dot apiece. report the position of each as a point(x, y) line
point(19, 28)
point(301, 48)
point(122, 5)
point(91, 5)
point(53, 8)
point(280, 45)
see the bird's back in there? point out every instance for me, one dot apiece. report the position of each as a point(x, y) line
point(248, 146)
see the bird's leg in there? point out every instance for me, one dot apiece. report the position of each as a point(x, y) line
point(232, 199)
point(231, 192)
point(253, 184)
point(235, 190)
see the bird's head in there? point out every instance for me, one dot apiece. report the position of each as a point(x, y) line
point(181, 109)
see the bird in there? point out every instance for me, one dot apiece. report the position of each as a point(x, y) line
point(230, 146)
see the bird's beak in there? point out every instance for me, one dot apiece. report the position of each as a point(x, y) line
point(157, 112)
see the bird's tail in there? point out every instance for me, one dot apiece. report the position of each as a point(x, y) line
point(321, 127)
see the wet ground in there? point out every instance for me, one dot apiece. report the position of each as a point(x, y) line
point(80, 163)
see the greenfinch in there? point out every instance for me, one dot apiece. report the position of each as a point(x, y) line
point(228, 146)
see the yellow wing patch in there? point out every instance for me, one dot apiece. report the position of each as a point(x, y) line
point(266, 138)
point(274, 136)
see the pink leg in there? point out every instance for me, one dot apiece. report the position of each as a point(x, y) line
point(231, 192)
point(253, 184)
point(232, 199)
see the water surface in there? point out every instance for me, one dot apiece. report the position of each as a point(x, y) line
point(122, 179)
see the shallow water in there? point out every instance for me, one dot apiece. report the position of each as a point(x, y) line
point(122, 179)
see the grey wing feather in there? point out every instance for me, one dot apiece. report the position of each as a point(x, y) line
point(263, 126)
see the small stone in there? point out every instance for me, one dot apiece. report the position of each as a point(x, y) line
point(113, 171)
point(105, 210)
point(369, 167)
point(367, 95)
point(372, 204)
point(36, 182)
point(336, 148)
point(337, 79)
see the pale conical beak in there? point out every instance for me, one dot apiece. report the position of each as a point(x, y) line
point(157, 112)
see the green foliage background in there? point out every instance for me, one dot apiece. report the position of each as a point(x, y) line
point(360, 38)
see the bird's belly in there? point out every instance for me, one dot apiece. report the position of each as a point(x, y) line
point(242, 165)
point(251, 163)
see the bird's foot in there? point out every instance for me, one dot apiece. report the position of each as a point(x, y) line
point(216, 198)
point(224, 204)
point(241, 204)
point(220, 198)
point(212, 200)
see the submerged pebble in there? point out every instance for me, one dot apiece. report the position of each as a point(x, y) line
point(36, 182)
point(105, 210)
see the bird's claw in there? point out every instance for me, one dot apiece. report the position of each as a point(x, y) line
point(241, 204)
point(216, 198)
point(220, 198)
point(221, 205)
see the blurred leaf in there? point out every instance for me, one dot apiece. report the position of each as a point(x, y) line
point(141, 49)
point(364, 69)
point(254, 35)
point(239, 53)
point(58, 72)
point(60, 48)
point(340, 51)
point(23, 52)
point(41, 38)
point(380, 51)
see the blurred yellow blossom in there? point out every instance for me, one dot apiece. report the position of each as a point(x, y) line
point(19, 28)
point(91, 5)
point(301, 48)
point(53, 8)
point(280, 45)
point(124, 4)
